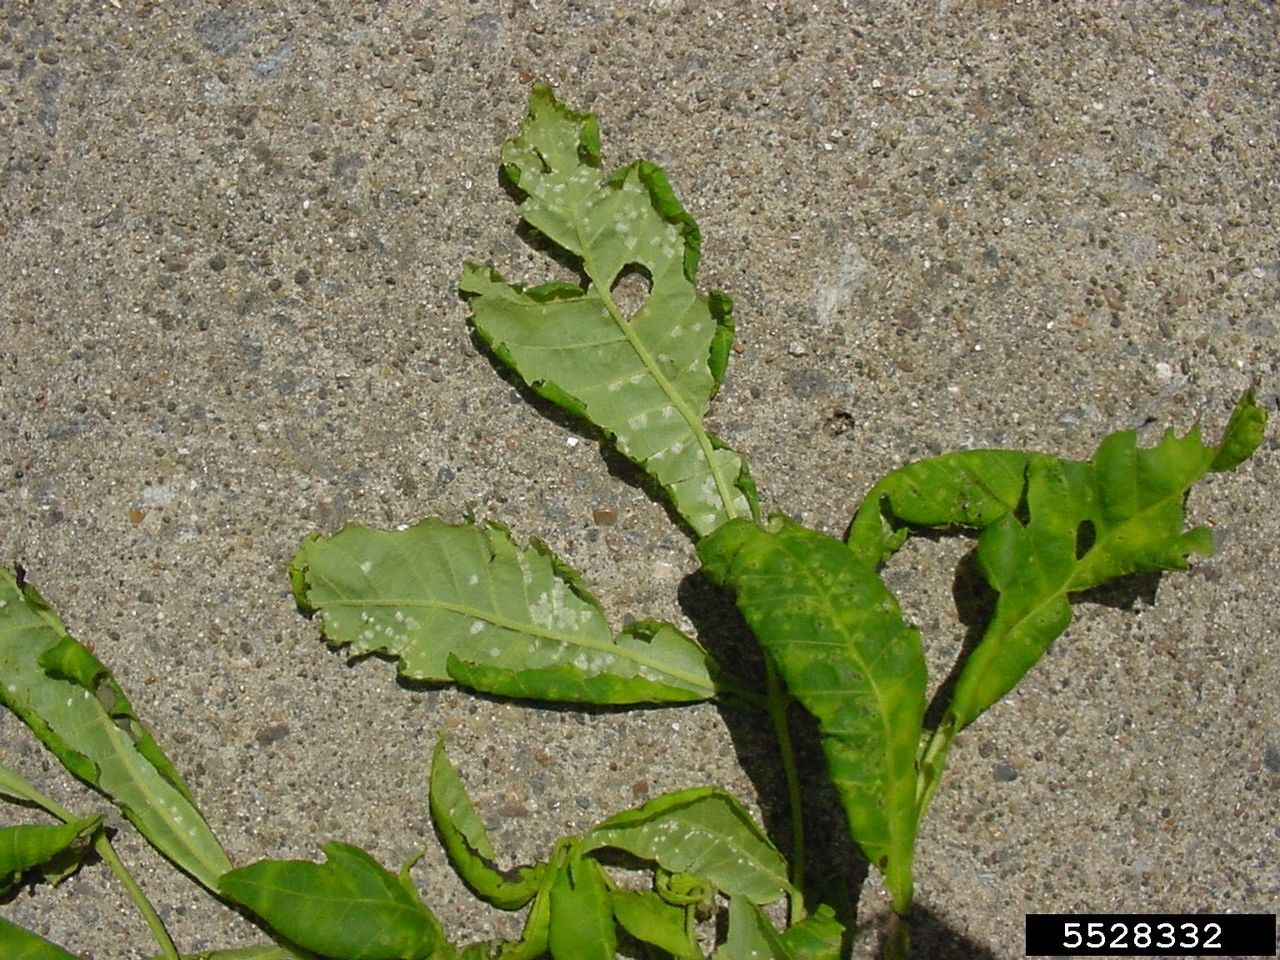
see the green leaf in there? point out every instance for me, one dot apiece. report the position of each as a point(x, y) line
point(581, 913)
point(838, 640)
point(272, 952)
point(467, 843)
point(647, 379)
point(348, 907)
point(533, 942)
point(70, 701)
point(535, 936)
point(464, 603)
point(17, 787)
point(649, 918)
point(701, 831)
point(1243, 435)
point(819, 936)
point(1051, 528)
point(48, 846)
point(966, 489)
point(17, 943)
point(684, 889)
point(751, 936)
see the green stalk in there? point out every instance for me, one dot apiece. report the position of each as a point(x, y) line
point(897, 942)
point(778, 703)
point(933, 761)
point(102, 847)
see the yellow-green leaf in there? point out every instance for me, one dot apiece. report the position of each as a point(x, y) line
point(70, 701)
point(644, 377)
point(464, 603)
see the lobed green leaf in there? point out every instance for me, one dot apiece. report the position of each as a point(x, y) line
point(348, 907)
point(54, 848)
point(702, 831)
point(837, 638)
point(647, 379)
point(1051, 528)
point(70, 701)
point(463, 603)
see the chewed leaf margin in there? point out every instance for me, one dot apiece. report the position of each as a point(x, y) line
point(67, 697)
point(1050, 528)
point(644, 381)
point(842, 648)
point(464, 603)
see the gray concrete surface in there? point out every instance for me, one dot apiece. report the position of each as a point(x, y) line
point(229, 241)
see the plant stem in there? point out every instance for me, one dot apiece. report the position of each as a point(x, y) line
point(108, 854)
point(778, 703)
point(897, 943)
point(102, 847)
point(933, 761)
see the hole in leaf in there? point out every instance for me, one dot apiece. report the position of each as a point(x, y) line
point(631, 290)
point(1086, 534)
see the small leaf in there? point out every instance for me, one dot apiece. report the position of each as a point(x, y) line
point(463, 602)
point(17, 787)
point(535, 936)
point(1051, 528)
point(69, 700)
point(272, 952)
point(684, 889)
point(751, 936)
point(17, 943)
point(348, 907)
point(467, 843)
point(581, 913)
point(838, 640)
point(704, 832)
point(532, 944)
point(1243, 435)
point(819, 936)
point(649, 918)
point(47, 846)
point(967, 489)
point(647, 379)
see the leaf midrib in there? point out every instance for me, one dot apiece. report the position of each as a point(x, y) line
point(610, 646)
point(691, 419)
point(128, 789)
point(1082, 576)
point(825, 594)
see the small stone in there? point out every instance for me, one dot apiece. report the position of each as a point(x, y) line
point(512, 806)
point(1271, 757)
point(272, 733)
point(1004, 772)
